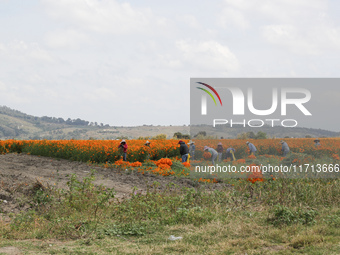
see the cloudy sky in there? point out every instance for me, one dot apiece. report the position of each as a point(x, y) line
point(130, 62)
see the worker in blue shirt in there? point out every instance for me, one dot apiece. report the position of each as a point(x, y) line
point(252, 148)
point(230, 153)
point(285, 148)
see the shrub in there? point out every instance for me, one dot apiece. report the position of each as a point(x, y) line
point(286, 216)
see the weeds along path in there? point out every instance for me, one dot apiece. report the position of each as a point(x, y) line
point(20, 172)
point(24, 169)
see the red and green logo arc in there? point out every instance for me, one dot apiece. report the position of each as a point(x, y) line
point(209, 93)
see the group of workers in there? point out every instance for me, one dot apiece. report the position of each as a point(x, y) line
point(230, 152)
point(187, 152)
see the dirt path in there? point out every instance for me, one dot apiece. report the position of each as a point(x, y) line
point(18, 172)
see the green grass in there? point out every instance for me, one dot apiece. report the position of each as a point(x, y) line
point(277, 217)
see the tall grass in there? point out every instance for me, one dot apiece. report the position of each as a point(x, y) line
point(87, 210)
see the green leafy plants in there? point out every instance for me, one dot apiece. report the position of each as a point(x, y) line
point(286, 216)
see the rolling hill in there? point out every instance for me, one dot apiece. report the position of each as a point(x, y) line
point(18, 125)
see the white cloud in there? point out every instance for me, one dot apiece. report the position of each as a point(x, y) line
point(300, 26)
point(79, 57)
point(289, 36)
point(99, 94)
point(68, 38)
point(207, 56)
point(3, 87)
point(25, 52)
point(278, 10)
point(192, 58)
point(311, 42)
point(189, 20)
point(104, 16)
point(13, 94)
point(232, 17)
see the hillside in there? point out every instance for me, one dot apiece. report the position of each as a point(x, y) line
point(18, 125)
point(278, 132)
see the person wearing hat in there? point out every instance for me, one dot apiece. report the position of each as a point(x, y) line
point(183, 150)
point(251, 147)
point(285, 148)
point(192, 149)
point(317, 143)
point(147, 149)
point(219, 151)
point(213, 153)
point(230, 153)
point(123, 146)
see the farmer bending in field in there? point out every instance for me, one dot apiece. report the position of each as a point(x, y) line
point(219, 151)
point(184, 150)
point(123, 146)
point(192, 149)
point(317, 143)
point(252, 148)
point(285, 148)
point(230, 154)
point(213, 153)
point(147, 149)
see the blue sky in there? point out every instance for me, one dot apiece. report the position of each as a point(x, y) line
point(130, 62)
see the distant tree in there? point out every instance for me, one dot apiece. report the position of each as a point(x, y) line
point(261, 135)
point(178, 135)
point(122, 137)
point(143, 138)
point(47, 119)
point(308, 136)
point(60, 120)
point(251, 135)
point(201, 133)
point(159, 137)
point(77, 122)
point(243, 136)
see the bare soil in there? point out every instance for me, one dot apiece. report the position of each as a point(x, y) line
point(20, 172)
point(10, 250)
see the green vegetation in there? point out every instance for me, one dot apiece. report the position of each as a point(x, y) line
point(179, 135)
point(285, 216)
point(252, 135)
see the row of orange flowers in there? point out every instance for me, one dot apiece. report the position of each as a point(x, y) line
point(107, 150)
point(101, 151)
point(98, 151)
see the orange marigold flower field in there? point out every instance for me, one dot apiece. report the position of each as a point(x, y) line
point(164, 152)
